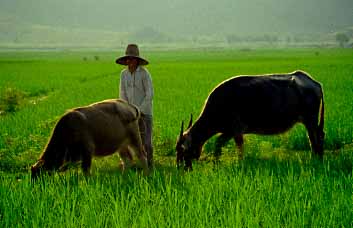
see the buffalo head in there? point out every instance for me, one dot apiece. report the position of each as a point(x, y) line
point(186, 149)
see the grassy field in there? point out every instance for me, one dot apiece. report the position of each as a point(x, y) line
point(278, 184)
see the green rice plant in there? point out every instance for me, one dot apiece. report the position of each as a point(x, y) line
point(253, 193)
point(10, 100)
point(278, 184)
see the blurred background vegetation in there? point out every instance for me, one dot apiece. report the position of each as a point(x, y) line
point(175, 23)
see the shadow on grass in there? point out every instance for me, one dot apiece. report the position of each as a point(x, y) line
point(106, 171)
point(334, 164)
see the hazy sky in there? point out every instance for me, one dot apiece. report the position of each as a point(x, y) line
point(185, 16)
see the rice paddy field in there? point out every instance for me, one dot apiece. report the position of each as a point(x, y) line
point(278, 183)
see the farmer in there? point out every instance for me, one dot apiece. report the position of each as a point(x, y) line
point(136, 88)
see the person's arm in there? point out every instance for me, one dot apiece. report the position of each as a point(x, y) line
point(122, 88)
point(148, 87)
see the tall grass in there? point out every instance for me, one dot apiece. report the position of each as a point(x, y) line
point(254, 193)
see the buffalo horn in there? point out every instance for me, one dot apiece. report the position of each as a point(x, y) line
point(181, 129)
point(190, 122)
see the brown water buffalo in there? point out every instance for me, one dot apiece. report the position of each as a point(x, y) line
point(262, 104)
point(99, 129)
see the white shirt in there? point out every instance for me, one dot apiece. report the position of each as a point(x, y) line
point(136, 88)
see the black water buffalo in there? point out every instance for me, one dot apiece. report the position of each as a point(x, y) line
point(262, 104)
point(99, 129)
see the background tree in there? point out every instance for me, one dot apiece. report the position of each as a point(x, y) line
point(342, 39)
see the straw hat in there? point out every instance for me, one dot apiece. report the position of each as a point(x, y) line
point(132, 50)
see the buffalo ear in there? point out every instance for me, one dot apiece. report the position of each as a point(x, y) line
point(190, 122)
point(181, 129)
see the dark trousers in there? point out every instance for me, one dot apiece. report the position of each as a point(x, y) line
point(145, 125)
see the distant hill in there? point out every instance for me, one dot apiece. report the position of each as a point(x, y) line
point(115, 22)
point(17, 33)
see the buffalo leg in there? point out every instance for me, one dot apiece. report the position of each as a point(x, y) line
point(220, 142)
point(126, 158)
point(239, 141)
point(314, 137)
point(87, 152)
